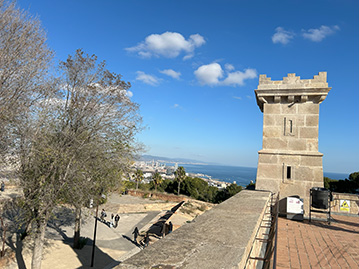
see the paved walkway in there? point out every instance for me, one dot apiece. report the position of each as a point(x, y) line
point(317, 244)
point(112, 244)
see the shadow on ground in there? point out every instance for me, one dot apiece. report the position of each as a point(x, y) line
point(157, 228)
point(62, 217)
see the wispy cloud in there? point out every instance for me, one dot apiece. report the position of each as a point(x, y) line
point(237, 97)
point(213, 74)
point(229, 67)
point(318, 34)
point(171, 73)
point(129, 94)
point(168, 44)
point(282, 36)
point(147, 79)
point(176, 106)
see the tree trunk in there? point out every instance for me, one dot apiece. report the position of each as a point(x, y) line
point(38, 244)
point(137, 185)
point(77, 228)
point(179, 184)
point(156, 188)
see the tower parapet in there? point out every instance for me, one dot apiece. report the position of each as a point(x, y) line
point(292, 89)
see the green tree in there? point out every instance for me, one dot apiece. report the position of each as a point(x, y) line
point(196, 188)
point(157, 180)
point(77, 142)
point(354, 177)
point(138, 177)
point(228, 192)
point(180, 174)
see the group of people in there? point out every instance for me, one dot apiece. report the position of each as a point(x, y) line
point(114, 219)
point(144, 242)
point(166, 229)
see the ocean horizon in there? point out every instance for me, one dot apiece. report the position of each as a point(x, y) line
point(239, 174)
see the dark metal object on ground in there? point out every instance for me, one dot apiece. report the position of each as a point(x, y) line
point(320, 199)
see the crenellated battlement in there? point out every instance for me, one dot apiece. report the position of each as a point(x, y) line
point(292, 89)
point(318, 81)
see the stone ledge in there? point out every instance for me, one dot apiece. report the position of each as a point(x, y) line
point(220, 238)
point(290, 152)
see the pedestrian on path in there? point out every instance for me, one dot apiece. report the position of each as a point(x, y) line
point(103, 215)
point(146, 241)
point(117, 218)
point(111, 223)
point(135, 234)
point(163, 230)
point(170, 227)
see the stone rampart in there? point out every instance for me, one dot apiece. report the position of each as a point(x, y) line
point(350, 206)
point(220, 238)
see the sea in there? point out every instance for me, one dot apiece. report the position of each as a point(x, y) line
point(241, 175)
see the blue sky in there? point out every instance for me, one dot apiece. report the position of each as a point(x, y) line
point(194, 65)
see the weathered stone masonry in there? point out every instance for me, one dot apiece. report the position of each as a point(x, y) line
point(289, 161)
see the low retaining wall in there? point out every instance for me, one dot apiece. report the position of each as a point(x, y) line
point(158, 195)
point(220, 238)
point(340, 200)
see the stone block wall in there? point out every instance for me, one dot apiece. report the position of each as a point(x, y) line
point(222, 237)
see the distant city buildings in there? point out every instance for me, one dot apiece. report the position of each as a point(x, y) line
point(149, 168)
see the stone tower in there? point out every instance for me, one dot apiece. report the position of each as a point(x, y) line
point(289, 162)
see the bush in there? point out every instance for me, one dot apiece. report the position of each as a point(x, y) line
point(82, 242)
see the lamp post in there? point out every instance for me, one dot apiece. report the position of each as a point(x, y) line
point(94, 238)
point(94, 233)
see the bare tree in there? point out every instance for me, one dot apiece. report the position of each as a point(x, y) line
point(24, 59)
point(77, 142)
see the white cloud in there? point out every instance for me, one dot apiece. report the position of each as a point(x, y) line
point(129, 94)
point(237, 97)
point(282, 36)
point(171, 73)
point(238, 77)
point(176, 106)
point(209, 74)
point(229, 67)
point(317, 35)
point(212, 73)
point(168, 44)
point(148, 79)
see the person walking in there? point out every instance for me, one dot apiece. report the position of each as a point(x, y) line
point(117, 218)
point(163, 230)
point(103, 215)
point(135, 234)
point(112, 217)
point(170, 227)
point(146, 241)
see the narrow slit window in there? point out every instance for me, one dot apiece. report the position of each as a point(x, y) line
point(289, 172)
point(290, 126)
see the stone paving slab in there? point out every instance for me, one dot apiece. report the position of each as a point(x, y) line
point(318, 245)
